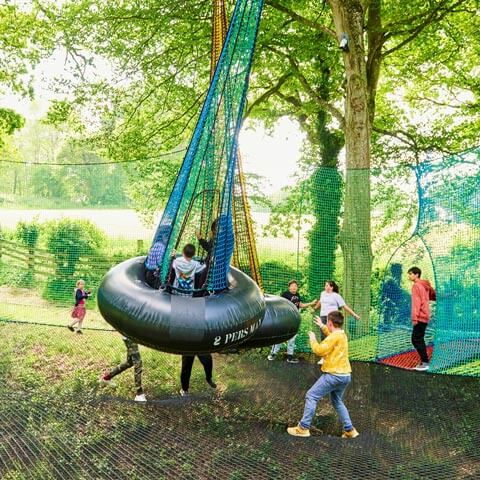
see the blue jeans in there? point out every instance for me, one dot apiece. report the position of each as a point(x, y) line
point(290, 347)
point(335, 385)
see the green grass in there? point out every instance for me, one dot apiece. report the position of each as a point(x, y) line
point(50, 398)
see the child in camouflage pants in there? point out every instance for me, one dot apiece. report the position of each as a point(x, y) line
point(133, 360)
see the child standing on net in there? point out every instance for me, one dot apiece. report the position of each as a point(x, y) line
point(422, 294)
point(294, 297)
point(331, 300)
point(133, 360)
point(79, 310)
point(335, 377)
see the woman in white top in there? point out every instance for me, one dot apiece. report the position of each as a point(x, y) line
point(331, 300)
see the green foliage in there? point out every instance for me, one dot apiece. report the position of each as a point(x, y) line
point(378, 277)
point(9, 122)
point(25, 37)
point(28, 233)
point(13, 276)
point(47, 182)
point(73, 237)
point(58, 112)
point(68, 240)
point(73, 175)
point(276, 276)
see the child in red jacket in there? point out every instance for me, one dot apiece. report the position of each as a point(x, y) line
point(422, 294)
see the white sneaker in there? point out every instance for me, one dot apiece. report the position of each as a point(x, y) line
point(320, 362)
point(422, 367)
point(183, 393)
point(141, 398)
point(271, 357)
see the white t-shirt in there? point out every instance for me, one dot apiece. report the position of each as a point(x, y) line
point(185, 271)
point(330, 302)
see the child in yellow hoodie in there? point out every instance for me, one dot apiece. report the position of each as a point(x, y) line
point(335, 379)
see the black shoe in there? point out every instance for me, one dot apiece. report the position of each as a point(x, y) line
point(70, 328)
point(212, 383)
point(80, 332)
point(292, 359)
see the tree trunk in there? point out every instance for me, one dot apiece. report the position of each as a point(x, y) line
point(355, 237)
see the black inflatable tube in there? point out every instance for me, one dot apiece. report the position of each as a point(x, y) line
point(178, 324)
point(280, 323)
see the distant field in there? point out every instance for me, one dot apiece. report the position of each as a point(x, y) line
point(123, 224)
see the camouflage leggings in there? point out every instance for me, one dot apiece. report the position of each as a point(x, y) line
point(133, 360)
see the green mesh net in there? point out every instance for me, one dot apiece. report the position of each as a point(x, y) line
point(445, 246)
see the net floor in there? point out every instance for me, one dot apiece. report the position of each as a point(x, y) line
point(412, 426)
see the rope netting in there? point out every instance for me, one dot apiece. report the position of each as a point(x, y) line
point(43, 252)
point(57, 422)
point(445, 246)
point(201, 199)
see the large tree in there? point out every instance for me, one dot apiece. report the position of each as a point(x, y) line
point(373, 32)
point(160, 50)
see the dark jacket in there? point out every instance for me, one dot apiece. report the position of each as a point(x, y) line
point(80, 295)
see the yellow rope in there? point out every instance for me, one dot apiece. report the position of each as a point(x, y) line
point(241, 211)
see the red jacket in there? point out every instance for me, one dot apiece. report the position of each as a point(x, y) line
point(422, 293)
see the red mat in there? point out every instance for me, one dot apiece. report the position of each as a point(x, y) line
point(406, 360)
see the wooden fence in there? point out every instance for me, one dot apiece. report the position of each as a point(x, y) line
point(42, 263)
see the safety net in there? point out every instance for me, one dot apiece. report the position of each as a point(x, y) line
point(445, 246)
point(58, 422)
point(63, 220)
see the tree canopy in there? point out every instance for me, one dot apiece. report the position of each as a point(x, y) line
point(405, 84)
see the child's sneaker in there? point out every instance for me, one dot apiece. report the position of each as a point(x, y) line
point(298, 431)
point(272, 357)
point(350, 434)
point(80, 332)
point(106, 381)
point(183, 393)
point(422, 367)
point(140, 398)
point(70, 328)
point(292, 359)
point(212, 383)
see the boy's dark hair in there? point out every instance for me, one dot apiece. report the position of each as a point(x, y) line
point(189, 250)
point(415, 271)
point(336, 318)
point(291, 282)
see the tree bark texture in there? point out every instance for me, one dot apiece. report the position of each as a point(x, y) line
point(355, 236)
